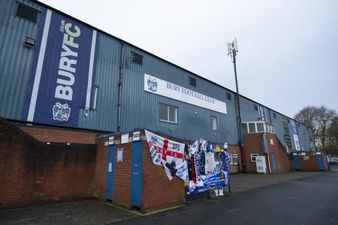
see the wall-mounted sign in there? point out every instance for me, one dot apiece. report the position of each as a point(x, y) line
point(136, 136)
point(170, 90)
point(62, 71)
point(119, 157)
point(124, 138)
point(261, 164)
point(111, 140)
point(296, 140)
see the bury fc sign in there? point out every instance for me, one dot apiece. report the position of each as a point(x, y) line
point(62, 71)
point(170, 90)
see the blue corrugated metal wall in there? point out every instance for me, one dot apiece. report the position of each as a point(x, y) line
point(106, 80)
point(138, 108)
point(304, 137)
point(15, 58)
point(141, 109)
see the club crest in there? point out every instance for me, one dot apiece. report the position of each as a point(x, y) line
point(61, 112)
point(152, 84)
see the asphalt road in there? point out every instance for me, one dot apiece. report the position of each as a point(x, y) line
point(305, 201)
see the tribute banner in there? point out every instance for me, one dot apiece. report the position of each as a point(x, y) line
point(169, 154)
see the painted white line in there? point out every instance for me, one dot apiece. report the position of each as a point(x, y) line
point(39, 66)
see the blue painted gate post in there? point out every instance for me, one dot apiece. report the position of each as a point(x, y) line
point(274, 162)
point(110, 172)
point(136, 175)
point(320, 163)
point(296, 162)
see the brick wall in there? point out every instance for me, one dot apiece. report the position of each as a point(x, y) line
point(253, 144)
point(157, 191)
point(284, 160)
point(100, 169)
point(121, 191)
point(34, 172)
point(234, 149)
point(45, 134)
point(308, 162)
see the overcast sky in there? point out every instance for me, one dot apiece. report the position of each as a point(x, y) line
point(288, 49)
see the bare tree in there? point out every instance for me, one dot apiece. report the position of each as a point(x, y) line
point(333, 137)
point(319, 120)
point(308, 117)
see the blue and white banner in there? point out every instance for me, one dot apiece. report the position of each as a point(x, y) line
point(294, 127)
point(213, 180)
point(295, 135)
point(261, 113)
point(62, 71)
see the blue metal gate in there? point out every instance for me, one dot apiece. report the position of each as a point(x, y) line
point(110, 172)
point(136, 174)
point(320, 163)
point(296, 162)
point(274, 162)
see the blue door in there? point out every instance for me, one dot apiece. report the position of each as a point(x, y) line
point(110, 172)
point(296, 162)
point(320, 163)
point(136, 174)
point(274, 162)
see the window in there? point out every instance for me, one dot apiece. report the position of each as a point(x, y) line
point(274, 115)
point(230, 159)
point(256, 107)
point(168, 113)
point(28, 13)
point(253, 157)
point(244, 128)
point(228, 96)
point(252, 128)
point(268, 128)
point(260, 127)
point(234, 159)
point(136, 58)
point(192, 81)
point(213, 123)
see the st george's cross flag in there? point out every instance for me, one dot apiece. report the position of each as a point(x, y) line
point(169, 154)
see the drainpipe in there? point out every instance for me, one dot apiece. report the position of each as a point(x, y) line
point(119, 95)
point(267, 152)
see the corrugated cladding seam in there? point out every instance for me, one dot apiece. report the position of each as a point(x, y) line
point(15, 59)
point(106, 78)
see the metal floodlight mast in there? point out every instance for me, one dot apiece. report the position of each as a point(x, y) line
point(232, 52)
